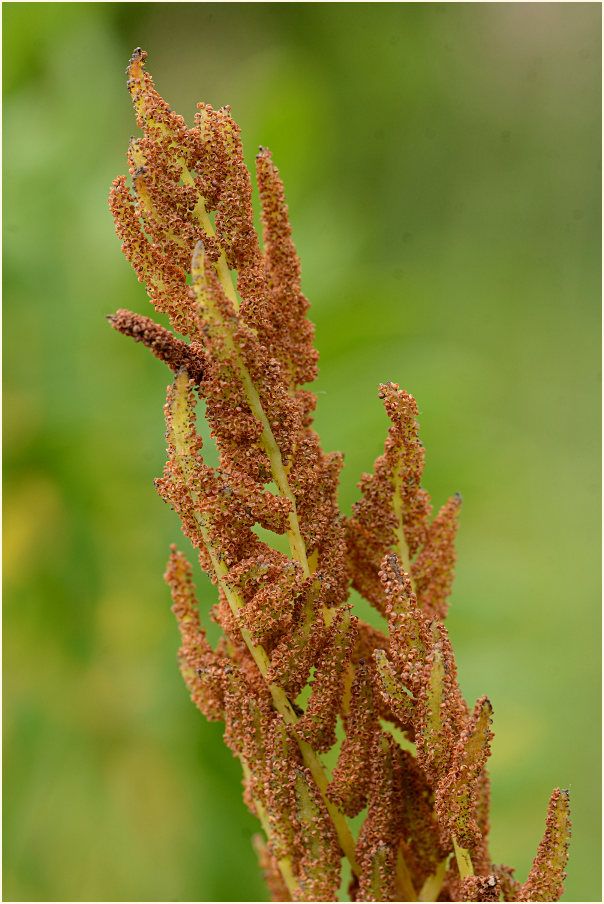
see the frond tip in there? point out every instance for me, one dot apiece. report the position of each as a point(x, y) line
point(546, 878)
point(176, 353)
point(456, 795)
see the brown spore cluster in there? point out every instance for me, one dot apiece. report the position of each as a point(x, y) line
point(411, 754)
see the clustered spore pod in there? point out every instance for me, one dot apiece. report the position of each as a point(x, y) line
point(186, 225)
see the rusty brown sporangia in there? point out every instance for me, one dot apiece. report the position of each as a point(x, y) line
point(186, 224)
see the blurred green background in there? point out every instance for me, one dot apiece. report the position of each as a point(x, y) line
point(442, 166)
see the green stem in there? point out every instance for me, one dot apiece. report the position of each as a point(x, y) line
point(222, 268)
point(464, 860)
point(404, 883)
point(433, 884)
point(402, 548)
point(294, 534)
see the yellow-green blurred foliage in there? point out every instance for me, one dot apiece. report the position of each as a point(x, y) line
point(442, 168)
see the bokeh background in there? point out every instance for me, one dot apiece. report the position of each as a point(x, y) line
point(442, 166)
